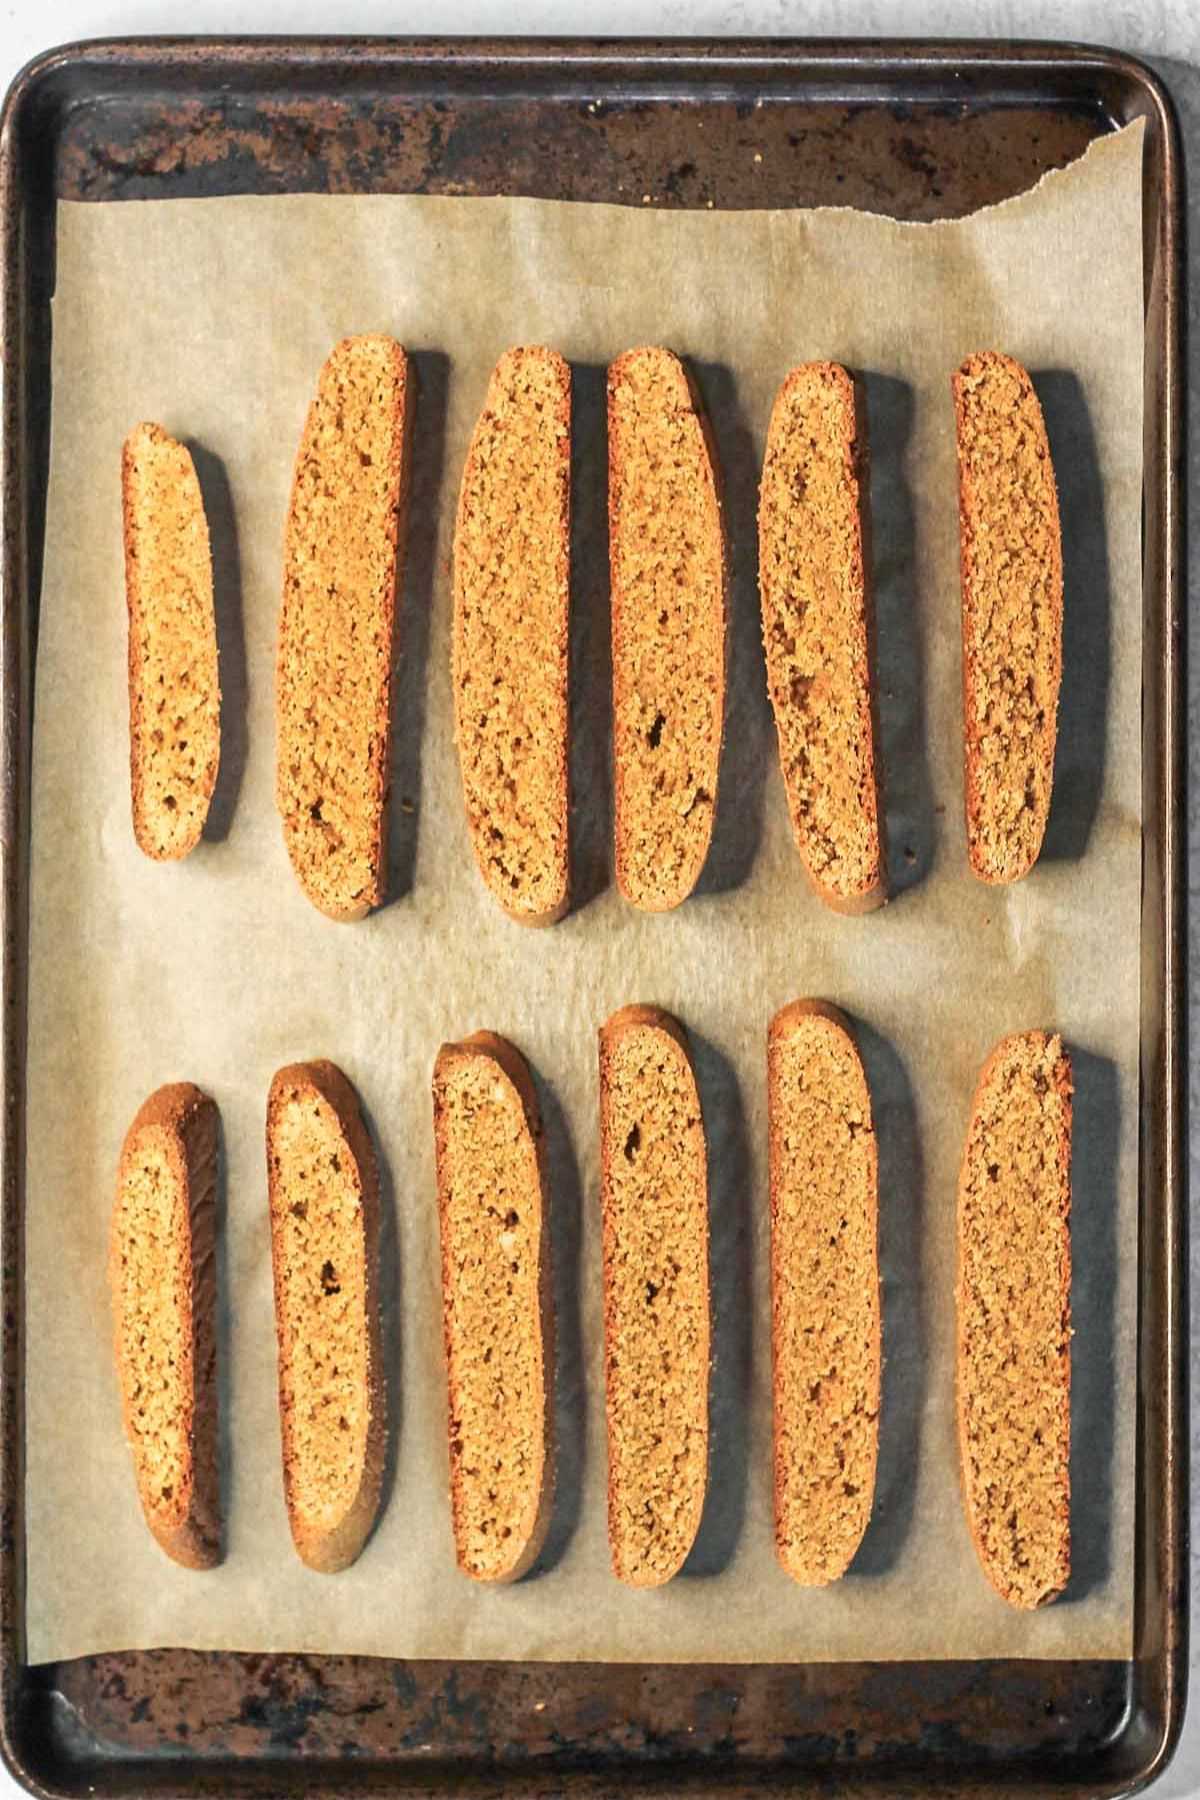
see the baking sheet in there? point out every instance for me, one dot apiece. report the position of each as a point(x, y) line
point(213, 317)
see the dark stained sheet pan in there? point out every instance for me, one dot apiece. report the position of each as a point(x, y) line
point(916, 130)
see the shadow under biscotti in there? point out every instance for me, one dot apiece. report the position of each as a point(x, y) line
point(729, 1202)
point(899, 671)
point(569, 1377)
point(414, 613)
point(231, 638)
point(749, 730)
point(390, 1321)
point(223, 1345)
point(1080, 752)
point(591, 646)
point(1094, 1135)
point(905, 1351)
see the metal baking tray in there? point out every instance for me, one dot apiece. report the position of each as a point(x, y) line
point(918, 130)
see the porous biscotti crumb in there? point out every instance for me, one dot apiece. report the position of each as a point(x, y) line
point(654, 1205)
point(668, 569)
point(163, 1284)
point(495, 1299)
point(813, 580)
point(1014, 1320)
point(324, 1206)
point(343, 563)
point(1012, 613)
point(174, 690)
point(511, 582)
point(825, 1326)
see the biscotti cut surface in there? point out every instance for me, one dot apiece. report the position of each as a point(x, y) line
point(669, 576)
point(825, 1329)
point(496, 1308)
point(174, 690)
point(1014, 1320)
point(343, 563)
point(1012, 613)
point(324, 1203)
point(162, 1279)
point(511, 584)
point(815, 613)
point(654, 1205)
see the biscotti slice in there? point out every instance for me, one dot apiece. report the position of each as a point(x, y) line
point(669, 595)
point(324, 1202)
point(654, 1206)
point(825, 1330)
point(174, 691)
point(1012, 613)
point(493, 1207)
point(1014, 1318)
point(343, 564)
point(511, 585)
point(162, 1276)
point(816, 621)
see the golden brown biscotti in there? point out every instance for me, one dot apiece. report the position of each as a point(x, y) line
point(825, 1325)
point(1014, 1318)
point(510, 663)
point(343, 566)
point(669, 601)
point(324, 1201)
point(654, 1206)
point(174, 689)
point(817, 631)
point(1012, 613)
point(493, 1207)
point(162, 1276)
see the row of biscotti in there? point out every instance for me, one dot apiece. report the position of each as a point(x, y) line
point(343, 560)
point(1013, 1305)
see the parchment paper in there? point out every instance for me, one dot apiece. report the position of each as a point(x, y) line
point(213, 317)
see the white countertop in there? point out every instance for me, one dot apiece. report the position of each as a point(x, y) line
point(1167, 32)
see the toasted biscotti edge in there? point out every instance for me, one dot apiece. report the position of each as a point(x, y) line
point(512, 1067)
point(330, 1552)
point(551, 914)
point(189, 1120)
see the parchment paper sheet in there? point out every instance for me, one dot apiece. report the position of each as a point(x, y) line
point(213, 317)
